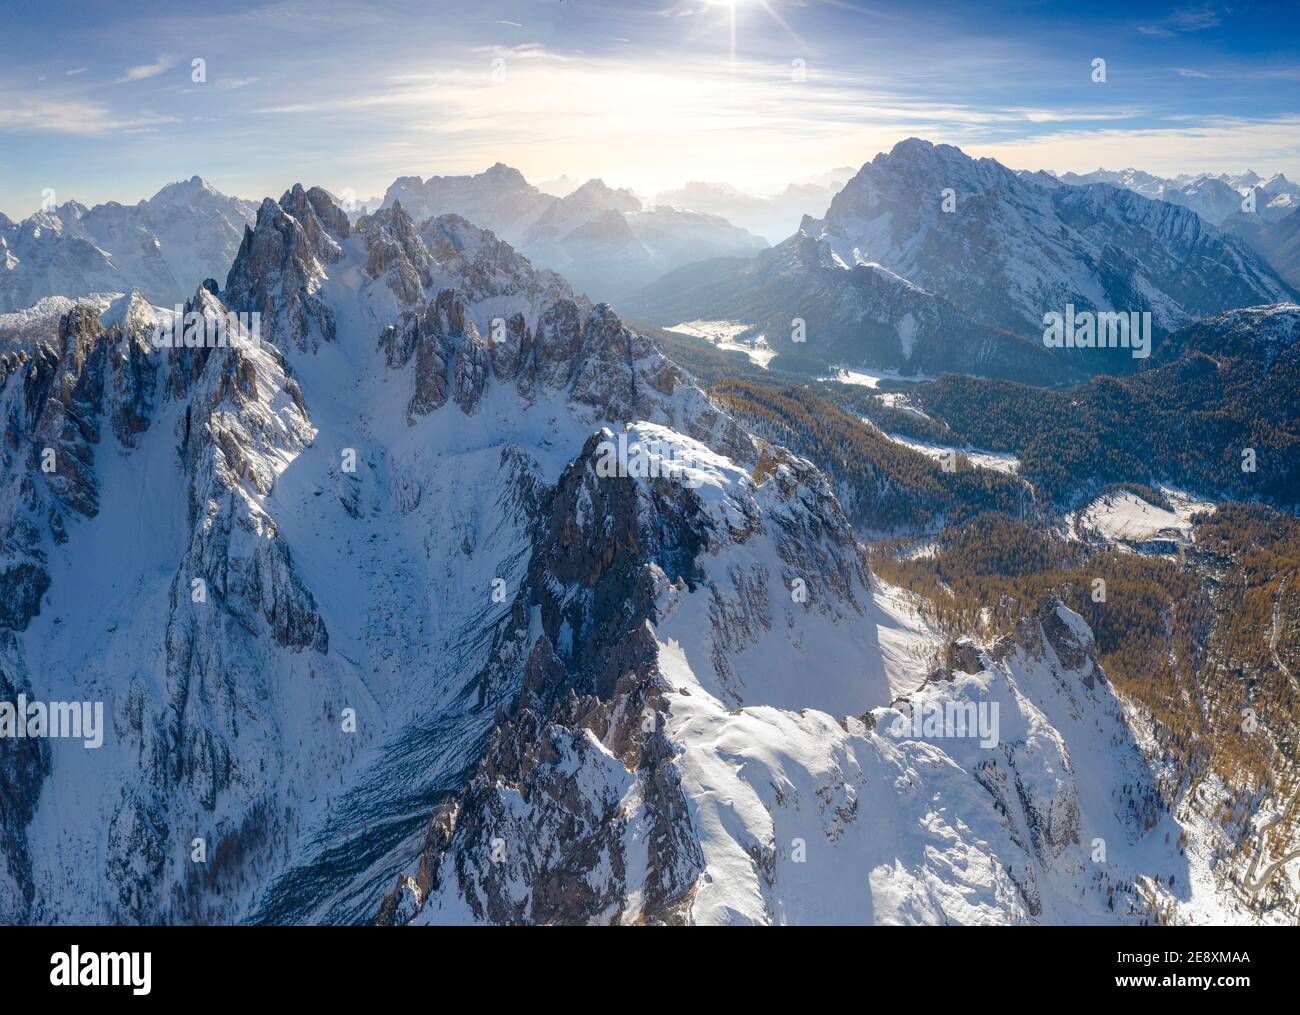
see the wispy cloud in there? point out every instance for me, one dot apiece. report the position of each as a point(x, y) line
point(147, 70)
point(68, 116)
point(75, 71)
point(1190, 19)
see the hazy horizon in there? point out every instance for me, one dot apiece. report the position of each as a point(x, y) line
point(579, 178)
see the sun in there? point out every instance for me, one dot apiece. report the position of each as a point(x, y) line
point(769, 6)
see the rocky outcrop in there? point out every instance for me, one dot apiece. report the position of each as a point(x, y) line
point(280, 265)
point(396, 252)
point(434, 336)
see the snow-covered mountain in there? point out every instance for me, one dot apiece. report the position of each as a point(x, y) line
point(602, 239)
point(1007, 248)
point(163, 246)
point(453, 600)
point(800, 810)
point(1131, 179)
point(863, 315)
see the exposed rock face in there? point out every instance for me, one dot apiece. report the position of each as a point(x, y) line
point(458, 346)
point(55, 400)
point(437, 332)
point(491, 273)
point(473, 365)
point(323, 222)
point(499, 198)
point(69, 410)
point(133, 371)
point(556, 344)
point(397, 251)
point(513, 347)
point(280, 265)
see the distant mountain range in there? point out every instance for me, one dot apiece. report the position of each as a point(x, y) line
point(1272, 226)
point(1214, 198)
point(603, 239)
point(164, 246)
point(770, 217)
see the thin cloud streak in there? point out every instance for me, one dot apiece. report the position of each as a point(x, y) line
point(147, 70)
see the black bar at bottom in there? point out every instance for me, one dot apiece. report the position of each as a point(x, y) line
point(210, 964)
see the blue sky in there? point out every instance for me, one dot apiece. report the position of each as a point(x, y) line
point(98, 100)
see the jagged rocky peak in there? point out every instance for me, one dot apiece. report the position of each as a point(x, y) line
point(185, 360)
point(587, 352)
point(909, 175)
point(486, 267)
point(281, 265)
point(96, 372)
point(396, 249)
point(195, 190)
point(1048, 624)
point(301, 232)
point(500, 173)
point(133, 367)
point(65, 395)
point(455, 241)
point(324, 222)
point(498, 198)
